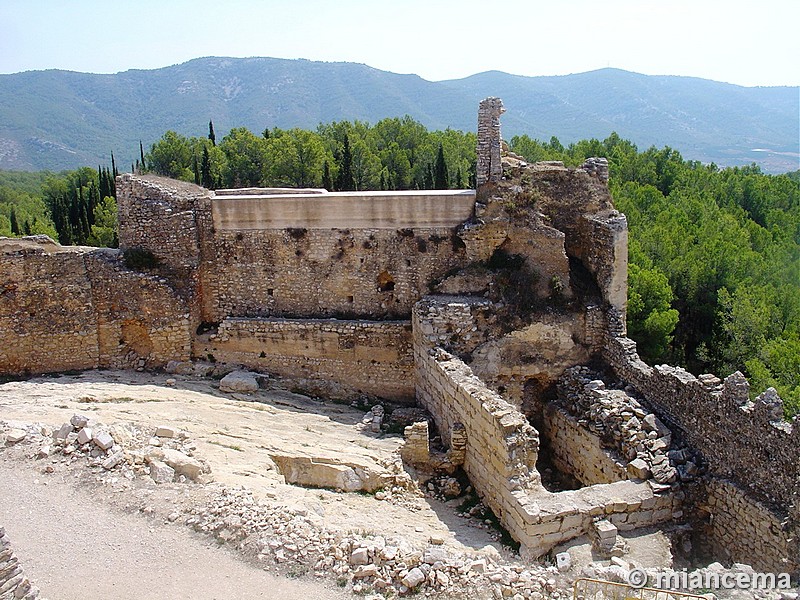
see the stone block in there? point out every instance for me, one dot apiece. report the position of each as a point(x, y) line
point(161, 472)
point(103, 440)
point(84, 436)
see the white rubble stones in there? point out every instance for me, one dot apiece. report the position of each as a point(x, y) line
point(121, 447)
point(390, 566)
point(413, 578)
point(563, 561)
point(15, 436)
point(103, 440)
point(638, 469)
point(239, 382)
point(160, 472)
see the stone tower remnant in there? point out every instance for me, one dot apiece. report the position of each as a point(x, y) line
point(489, 168)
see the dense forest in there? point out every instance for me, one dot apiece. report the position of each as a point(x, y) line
point(714, 253)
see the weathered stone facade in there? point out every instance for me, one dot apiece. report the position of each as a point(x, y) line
point(479, 305)
point(66, 309)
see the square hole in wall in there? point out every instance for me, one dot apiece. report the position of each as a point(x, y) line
point(270, 292)
point(350, 299)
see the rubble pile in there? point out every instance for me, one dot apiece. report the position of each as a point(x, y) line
point(163, 453)
point(626, 426)
point(295, 539)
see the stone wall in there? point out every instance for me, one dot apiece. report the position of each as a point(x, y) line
point(746, 444)
point(501, 452)
point(576, 451)
point(489, 167)
point(352, 358)
point(744, 530)
point(13, 583)
point(80, 308)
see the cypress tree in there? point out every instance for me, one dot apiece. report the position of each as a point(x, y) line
point(26, 227)
point(206, 180)
point(195, 169)
point(428, 181)
point(345, 181)
point(383, 180)
point(114, 165)
point(211, 135)
point(441, 179)
point(327, 182)
point(13, 218)
point(141, 156)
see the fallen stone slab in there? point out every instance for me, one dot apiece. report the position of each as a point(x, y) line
point(164, 431)
point(324, 472)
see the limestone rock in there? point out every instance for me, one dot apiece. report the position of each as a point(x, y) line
point(16, 435)
point(163, 431)
point(103, 440)
point(160, 472)
point(241, 382)
point(413, 578)
point(180, 462)
point(84, 436)
point(79, 421)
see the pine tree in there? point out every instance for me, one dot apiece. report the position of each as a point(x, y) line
point(345, 181)
point(141, 156)
point(327, 182)
point(13, 218)
point(211, 135)
point(441, 179)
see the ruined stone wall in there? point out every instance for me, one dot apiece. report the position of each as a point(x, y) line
point(745, 443)
point(744, 530)
point(576, 451)
point(349, 273)
point(489, 167)
point(80, 308)
point(350, 358)
point(13, 583)
point(502, 448)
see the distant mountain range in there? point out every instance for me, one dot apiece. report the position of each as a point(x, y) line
point(62, 119)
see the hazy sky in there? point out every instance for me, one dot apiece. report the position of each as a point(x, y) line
point(753, 42)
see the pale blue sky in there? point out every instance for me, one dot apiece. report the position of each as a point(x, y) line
point(743, 42)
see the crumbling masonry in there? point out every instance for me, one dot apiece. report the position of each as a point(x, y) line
point(500, 310)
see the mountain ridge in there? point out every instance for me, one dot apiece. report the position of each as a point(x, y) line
point(62, 119)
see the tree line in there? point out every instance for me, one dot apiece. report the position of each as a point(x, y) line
point(714, 254)
point(393, 154)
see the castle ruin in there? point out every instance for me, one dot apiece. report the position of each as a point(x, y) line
point(499, 310)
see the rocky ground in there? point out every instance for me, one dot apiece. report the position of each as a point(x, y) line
point(179, 453)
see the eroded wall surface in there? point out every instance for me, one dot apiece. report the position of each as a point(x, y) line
point(80, 308)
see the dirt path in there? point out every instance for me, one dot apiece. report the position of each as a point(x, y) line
point(72, 547)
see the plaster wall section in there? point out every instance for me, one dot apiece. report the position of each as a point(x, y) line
point(350, 358)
